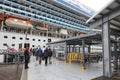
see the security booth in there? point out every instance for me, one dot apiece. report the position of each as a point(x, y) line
point(78, 48)
point(108, 20)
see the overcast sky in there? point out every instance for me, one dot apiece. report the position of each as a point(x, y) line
point(95, 4)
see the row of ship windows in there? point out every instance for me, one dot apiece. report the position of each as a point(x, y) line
point(60, 23)
point(22, 38)
point(5, 44)
point(65, 20)
point(44, 5)
point(48, 12)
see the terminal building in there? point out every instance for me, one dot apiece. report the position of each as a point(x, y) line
point(79, 39)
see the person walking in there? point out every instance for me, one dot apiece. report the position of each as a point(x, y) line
point(40, 55)
point(27, 57)
point(33, 52)
point(46, 54)
point(36, 55)
point(50, 55)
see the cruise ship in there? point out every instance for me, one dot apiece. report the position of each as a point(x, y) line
point(37, 22)
point(66, 26)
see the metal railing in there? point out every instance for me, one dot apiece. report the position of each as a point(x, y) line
point(12, 58)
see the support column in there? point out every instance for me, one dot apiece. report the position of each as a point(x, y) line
point(83, 54)
point(106, 50)
point(115, 55)
point(69, 48)
point(73, 48)
point(89, 49)
point(2, 26)
point(79, 48)
point(65, 50)
point(31, 31)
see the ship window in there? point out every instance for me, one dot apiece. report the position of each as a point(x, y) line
point(7, 9)
point(5, 44)
point(33, 45)
point(5, 36)
point(38, 39)
point(13, 37)
point(27, 38)
point(16, 11)
point(44, 40)
point(13, 45)
point(49, 40)
point(21, 38)
point(22, 13)
point(33, 39)
point(29, 15)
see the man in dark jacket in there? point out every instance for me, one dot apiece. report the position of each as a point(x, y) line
point(50, 55)
point(27, 57)
point(46, 54)
point(40, 54)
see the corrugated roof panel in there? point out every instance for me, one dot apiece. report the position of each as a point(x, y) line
point(114, 5)
point(109, 5)
point(105, 11)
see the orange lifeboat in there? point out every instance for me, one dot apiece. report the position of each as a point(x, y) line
point(42, 26)
point(13, 22)
point(81, 33)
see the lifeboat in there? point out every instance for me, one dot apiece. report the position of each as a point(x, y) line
point(43, 26)
point(81, 33)
point(13, 22)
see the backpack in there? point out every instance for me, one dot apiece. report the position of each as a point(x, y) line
point(46, 53)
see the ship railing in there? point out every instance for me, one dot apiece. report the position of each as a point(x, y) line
point(11, 58)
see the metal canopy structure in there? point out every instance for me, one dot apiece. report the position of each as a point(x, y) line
point(90, 39)
point(83, 40)
point(112, 12)
point(109, 20)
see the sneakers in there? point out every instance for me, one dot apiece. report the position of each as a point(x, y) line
point(45, 64)
point(26, 67)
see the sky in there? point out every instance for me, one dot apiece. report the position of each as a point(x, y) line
point(95, 4)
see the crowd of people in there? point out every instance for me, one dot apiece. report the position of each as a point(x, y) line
point(39, 54)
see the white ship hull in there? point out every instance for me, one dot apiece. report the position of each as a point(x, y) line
point(39, 40)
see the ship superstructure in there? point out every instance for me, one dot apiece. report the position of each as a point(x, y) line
point(37, 22)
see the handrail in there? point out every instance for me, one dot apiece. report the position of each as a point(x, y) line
point(12, 57)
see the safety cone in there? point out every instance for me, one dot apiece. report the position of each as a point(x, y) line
point(83, 67)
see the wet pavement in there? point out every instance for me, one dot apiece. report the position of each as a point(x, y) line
point(59, 70)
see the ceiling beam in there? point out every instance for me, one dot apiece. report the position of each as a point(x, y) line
point(118, 1)
point(116, 20)
point(109, 9)
point(117, 28)
point(107, 17)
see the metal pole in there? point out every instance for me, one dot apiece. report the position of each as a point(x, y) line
point(79, 48)
point(69, 48)
point(115, 55)
point(31, 31)
point(83, 54)
point(65, 51)
point(106, 50)
point(72, 48)
point(2, 26)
